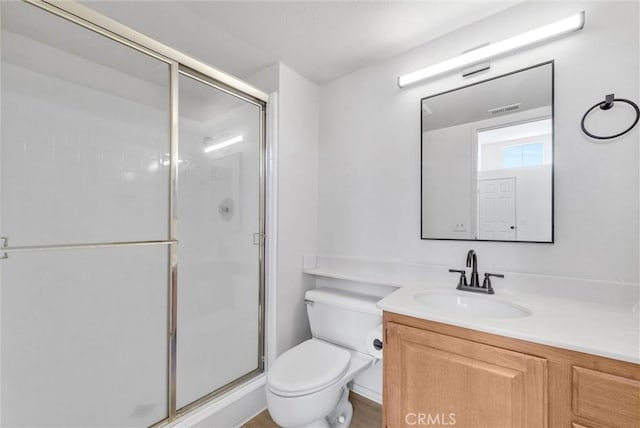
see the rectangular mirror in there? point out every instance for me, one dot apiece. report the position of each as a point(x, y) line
point(487, 159)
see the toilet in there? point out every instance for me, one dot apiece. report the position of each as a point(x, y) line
point(307, 385)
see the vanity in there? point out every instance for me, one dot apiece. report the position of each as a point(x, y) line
point(509, 360)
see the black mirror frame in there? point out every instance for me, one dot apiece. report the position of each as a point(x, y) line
point(553, 160)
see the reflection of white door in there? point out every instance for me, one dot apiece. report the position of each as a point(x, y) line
point(497, 209)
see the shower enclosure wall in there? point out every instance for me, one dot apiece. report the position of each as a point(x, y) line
point(132, 223)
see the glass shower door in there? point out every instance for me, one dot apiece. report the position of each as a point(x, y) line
point(84, 207)
point(219, 311)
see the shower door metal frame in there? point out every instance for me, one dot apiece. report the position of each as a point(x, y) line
point(179, 63)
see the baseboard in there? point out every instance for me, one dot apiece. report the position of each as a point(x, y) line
point(367, 393)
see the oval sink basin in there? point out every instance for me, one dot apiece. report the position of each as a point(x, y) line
point(482, 306)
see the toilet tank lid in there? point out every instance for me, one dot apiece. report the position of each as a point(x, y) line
point(350, 300)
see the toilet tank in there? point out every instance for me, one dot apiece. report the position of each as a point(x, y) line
point(342, 317)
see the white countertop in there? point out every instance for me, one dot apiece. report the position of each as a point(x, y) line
point(591, 327)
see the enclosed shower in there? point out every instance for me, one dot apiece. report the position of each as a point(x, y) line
point(131, 222)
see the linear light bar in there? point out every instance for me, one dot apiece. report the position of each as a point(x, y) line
point(567, 25)
point(226, 143)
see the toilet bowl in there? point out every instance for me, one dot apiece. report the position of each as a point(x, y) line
point(307, 385)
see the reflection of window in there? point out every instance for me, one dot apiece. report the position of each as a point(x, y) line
point(522, 155)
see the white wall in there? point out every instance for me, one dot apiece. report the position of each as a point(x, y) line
point(297, 175)
point(369, 160)
point(448, 181)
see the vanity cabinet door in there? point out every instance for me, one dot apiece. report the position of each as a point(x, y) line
point(606, 399)
point(437, 380)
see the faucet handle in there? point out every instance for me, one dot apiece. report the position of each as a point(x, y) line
point(487, 281)
point(463, 277)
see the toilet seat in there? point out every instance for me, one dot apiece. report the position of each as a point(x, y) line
point(307, 368)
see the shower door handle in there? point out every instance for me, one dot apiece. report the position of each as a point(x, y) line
point(258, 238)
point(3, 243)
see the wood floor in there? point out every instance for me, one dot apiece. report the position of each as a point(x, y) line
point(366, 414)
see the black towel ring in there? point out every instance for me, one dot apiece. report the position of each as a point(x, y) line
point(606, 105)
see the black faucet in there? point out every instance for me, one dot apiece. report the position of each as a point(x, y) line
point(474, 285)
point(472, 262)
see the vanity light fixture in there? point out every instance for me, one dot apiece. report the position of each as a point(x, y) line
point(210, 145)
point(567, 25)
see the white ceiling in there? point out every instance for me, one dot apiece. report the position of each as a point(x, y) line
point(530, 89)
point(322, 40)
